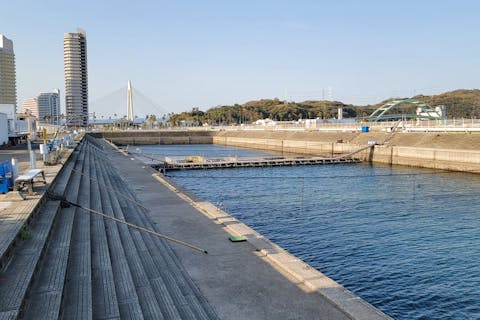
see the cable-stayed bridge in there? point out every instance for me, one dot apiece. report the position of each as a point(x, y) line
point(127, 103)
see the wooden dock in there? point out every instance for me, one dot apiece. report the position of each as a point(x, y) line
point(230, 162)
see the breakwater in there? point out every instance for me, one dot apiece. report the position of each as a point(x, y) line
point(445, 151)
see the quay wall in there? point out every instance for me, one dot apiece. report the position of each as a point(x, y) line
point(145, 137)
point(449, 158)
point(445, 151)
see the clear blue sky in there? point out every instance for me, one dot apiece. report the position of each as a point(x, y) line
point(185, 54)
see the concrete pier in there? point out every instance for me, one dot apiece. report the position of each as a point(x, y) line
point(181, 164)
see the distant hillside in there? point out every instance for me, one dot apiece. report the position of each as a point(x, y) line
point(459, 103)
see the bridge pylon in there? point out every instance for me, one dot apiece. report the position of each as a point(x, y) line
point(130, 116)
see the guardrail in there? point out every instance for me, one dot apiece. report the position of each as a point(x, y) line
point(447, 125)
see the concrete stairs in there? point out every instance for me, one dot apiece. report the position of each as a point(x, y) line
point(169, 273)
point(45, 296)
point(23, 263)
point(78, 265)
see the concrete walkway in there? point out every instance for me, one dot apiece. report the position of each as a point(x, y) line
point(246, 280)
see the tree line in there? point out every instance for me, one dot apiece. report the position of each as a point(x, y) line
point(459, 104)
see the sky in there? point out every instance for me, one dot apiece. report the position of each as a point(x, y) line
point(185, 54)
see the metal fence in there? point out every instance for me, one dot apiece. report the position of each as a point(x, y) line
point(447, 125)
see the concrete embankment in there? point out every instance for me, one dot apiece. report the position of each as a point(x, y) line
point(445, 151)
point(157, 137)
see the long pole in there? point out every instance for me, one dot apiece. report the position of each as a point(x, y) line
point(131, 225)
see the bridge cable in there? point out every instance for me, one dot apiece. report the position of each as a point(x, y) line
point(109, 97)
point(150, 101)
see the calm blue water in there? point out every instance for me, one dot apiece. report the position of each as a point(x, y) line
point(406, 240)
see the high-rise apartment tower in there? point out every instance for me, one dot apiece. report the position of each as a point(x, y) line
point(8, 88)
point(76, 78)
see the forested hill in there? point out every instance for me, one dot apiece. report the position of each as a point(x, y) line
point(459, 103)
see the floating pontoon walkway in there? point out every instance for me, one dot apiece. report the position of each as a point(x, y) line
point(217, 163)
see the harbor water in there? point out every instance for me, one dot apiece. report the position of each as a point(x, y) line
point(406, 240)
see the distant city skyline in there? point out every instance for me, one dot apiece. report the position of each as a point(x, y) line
point(189, 54)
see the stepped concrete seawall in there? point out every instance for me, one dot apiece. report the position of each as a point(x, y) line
point(445, 151)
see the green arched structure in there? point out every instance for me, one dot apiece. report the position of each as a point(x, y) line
point(381, 114)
